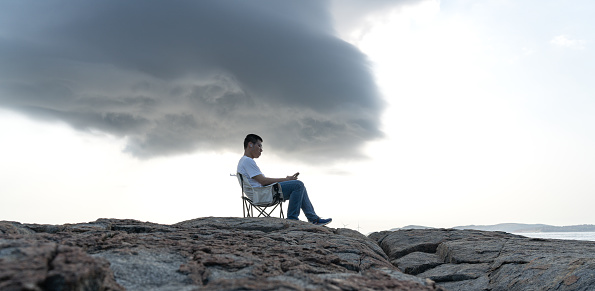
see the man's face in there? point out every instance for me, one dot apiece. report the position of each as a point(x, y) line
point(256, 149)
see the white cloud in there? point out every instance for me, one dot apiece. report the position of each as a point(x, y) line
point(528, 51)
point(568, 42)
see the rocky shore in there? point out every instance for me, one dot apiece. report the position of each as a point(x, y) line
point(486, 260)
point(206, 253)
point(275, 254)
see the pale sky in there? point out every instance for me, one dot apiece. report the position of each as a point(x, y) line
point(435, 113)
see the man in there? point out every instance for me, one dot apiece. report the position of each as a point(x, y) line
point(293, 190)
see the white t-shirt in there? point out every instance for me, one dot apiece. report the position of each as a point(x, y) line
point(248, 168)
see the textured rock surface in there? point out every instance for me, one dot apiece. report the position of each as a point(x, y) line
point(27, 264)
point(479, 260)
point(207, 253)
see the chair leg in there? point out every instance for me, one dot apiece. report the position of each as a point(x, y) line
point(262, 211)
point(248, 210)
point(268, 214)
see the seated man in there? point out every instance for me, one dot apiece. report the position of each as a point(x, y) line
point(293, 190)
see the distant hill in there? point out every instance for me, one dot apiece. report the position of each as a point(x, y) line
point(412, 227)
point(520, 228)
point(516, 227)
point(416, 227)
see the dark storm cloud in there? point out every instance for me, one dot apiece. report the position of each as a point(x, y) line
point(181, 76)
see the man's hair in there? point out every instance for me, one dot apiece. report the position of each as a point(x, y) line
point(251, 138)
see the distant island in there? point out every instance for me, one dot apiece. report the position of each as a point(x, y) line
point(518, 227)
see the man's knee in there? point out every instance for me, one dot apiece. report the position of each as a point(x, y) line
point(294, 183)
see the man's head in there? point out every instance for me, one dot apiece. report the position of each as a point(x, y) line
point(252, 146)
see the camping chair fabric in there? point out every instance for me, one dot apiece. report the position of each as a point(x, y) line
point(264, 199)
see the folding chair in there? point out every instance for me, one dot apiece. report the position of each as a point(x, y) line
point(264, 199)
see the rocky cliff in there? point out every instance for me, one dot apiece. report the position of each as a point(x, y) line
point(276, 254)
point(480, 260)
point(207, 253)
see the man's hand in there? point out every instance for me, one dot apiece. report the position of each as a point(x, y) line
point(294, 177)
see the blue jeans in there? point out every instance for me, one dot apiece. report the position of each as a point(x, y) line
point(296, 193)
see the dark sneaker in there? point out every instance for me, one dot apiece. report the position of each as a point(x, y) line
point(322, 221)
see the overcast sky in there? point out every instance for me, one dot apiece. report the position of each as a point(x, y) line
point(396, 112)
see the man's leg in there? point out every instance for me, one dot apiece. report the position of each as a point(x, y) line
point(296, 193)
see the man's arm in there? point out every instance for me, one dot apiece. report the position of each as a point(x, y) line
point(267, 181)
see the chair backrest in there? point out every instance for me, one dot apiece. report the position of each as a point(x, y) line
point(246, 187)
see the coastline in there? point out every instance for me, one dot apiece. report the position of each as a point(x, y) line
point(580, 236)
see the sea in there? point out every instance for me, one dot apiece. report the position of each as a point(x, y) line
point(588, 236)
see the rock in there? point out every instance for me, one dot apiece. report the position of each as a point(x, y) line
point(456, 272)
point(206, 253)
point(417, 262)
point(11, 227)
point(29, 264)
point(482, 260)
